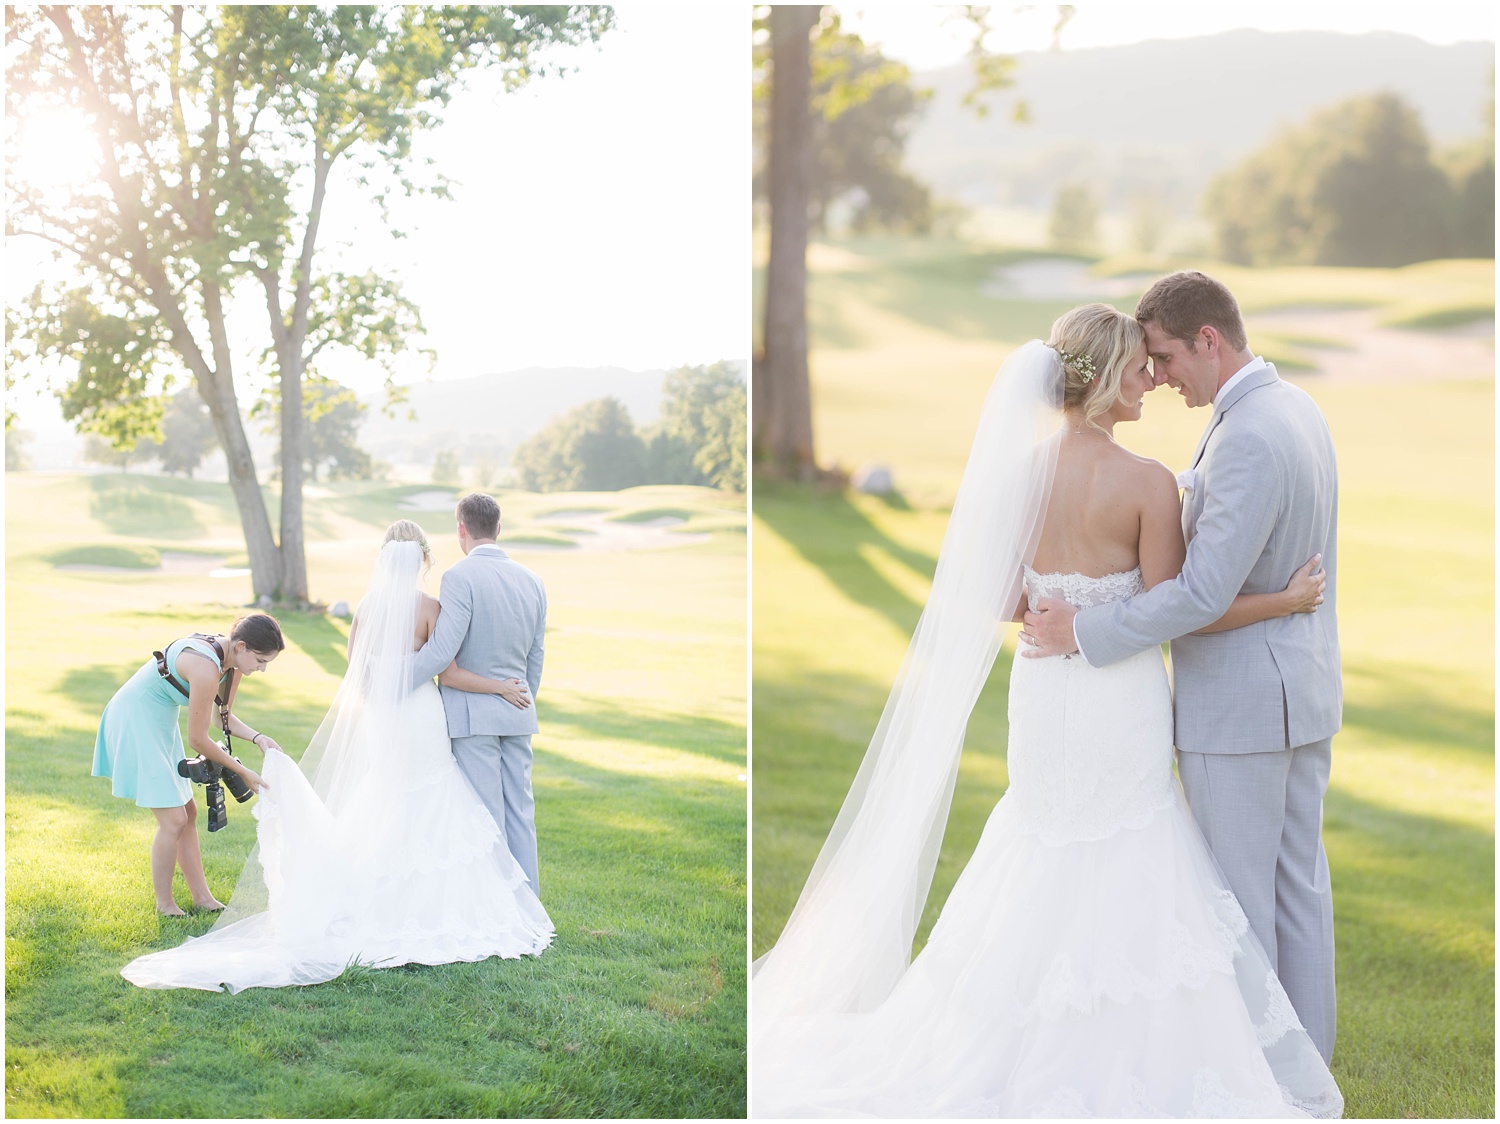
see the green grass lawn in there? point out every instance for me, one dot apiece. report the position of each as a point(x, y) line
point(905, 352)
point(637, 1009)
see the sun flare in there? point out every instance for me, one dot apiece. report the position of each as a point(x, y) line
point(53, 149)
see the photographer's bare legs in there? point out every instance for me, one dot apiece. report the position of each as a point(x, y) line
point(176, 844)
point(191, 861)
point(170, 824)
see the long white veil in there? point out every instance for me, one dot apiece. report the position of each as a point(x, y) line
point(353, 739)
point(848, 940)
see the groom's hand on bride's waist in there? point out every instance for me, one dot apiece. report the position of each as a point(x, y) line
point(1047, 630)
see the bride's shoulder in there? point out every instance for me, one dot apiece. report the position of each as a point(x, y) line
point(1144, 472)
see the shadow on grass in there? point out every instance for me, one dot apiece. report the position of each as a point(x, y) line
point(811, 733)
point(709, 737)
point(90, 688)
point(137, 507)
point(1413, 899)
point(828, 531)
point(320, 638)
point(1412, 707)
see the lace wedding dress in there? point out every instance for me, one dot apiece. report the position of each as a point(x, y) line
point(1090, 960)
point(387, 857)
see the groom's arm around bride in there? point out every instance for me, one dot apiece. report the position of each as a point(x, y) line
point(493, 622)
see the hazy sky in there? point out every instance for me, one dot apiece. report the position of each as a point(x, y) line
point(927, 36)
point(600, 218)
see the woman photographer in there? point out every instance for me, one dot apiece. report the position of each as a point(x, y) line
point(139, 745)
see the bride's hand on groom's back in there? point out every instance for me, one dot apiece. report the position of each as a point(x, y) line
point(515, 692)
point(1304, 593)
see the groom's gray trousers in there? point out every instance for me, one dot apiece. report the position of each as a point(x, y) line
point(499, 768)
point(1272, 859)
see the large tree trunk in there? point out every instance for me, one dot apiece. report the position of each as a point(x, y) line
point(293, 549)
point(265, 564)
point(783, 418)
point(291, 340)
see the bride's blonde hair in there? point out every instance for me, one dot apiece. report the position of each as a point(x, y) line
point(1095, 343)
point(404, 530)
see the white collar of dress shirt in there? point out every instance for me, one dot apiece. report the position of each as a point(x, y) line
point(1256, 364)
point(486, 547)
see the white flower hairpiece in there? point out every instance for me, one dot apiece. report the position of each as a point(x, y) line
point(1081, 362)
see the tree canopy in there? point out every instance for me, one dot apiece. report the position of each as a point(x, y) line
point(591, 448)
point(1355, 185)
point(699, 439)
point(863, 108)
point(218, 131)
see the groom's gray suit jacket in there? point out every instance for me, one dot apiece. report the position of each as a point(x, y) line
point(493, 622)
point(1264, 501)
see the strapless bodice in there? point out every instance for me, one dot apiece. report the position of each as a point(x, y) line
point(1080, 590)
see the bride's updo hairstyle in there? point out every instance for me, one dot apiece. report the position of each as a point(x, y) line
point(1095, 343)
point(404, 530)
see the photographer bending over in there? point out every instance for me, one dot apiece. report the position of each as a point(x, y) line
point(139, 746)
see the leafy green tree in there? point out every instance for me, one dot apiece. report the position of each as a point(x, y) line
point(1074, 224)
point(1470, 167)
point(187, 431)
point(17, 459)
point(1471, 171)
point(1354, 185)
point(101, 450)
point(332, 415)
point(591, 448)
point(219, 130)
point(445, 467)
point(669, 458)
point(1150, 216)
point(864, 107)
point(809, 75)
point(703, 408)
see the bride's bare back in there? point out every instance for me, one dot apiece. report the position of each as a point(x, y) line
point(427, 615)
point(1110, 511)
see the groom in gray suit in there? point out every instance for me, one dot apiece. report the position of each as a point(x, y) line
point(1256, 707)
point(493, 620)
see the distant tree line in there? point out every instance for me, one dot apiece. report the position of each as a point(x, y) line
point(185, 436)
point(595, 447)
point(1357, 184)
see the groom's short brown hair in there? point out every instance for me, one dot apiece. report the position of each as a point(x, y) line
point(480, 515)
point(1181, 303)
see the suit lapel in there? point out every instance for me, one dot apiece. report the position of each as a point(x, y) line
point(1264, 377)
point(1203, 441)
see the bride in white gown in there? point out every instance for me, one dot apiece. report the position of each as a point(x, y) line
point(1090, 960)
point(387, 856)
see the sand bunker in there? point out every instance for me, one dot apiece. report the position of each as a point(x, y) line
point(596, 531)
point(1059, 279)
point(429, 501)
point(1371, 352)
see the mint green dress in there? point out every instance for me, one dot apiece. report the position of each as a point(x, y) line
point(139, 744)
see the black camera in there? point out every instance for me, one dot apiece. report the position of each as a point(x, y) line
point(200, 770)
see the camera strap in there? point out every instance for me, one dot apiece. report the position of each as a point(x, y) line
point(229, 681)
